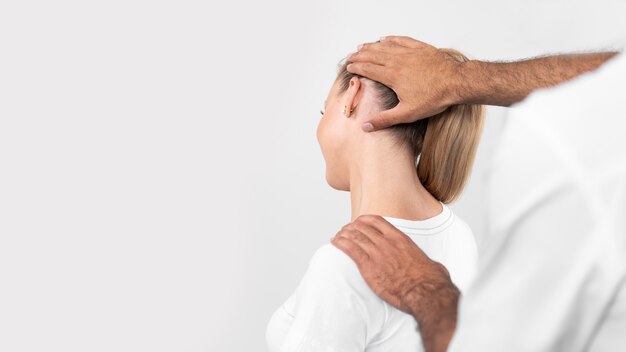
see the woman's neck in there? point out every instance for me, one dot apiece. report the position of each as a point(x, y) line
point(383, 181)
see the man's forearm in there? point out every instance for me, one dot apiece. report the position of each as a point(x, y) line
point(506, 83)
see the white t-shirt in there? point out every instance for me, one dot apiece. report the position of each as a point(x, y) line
point(333, 308)
point(553, 273)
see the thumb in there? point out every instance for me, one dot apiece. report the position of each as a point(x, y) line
point(388, 118)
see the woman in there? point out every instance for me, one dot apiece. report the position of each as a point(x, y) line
point(332, 308)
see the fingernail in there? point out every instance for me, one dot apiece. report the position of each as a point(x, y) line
point(358, 47)
point(368, 127)
point(348, 67)
point(382, 38)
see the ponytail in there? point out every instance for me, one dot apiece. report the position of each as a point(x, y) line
point(448, 150)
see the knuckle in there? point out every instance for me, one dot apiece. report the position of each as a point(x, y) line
point(442, 269)
point(387, 44)
point(353, 67)
point(341, 237)
point(359, 226)
point(336, 241)
point(349, 234)
point(361, 68)
point(339, 233)
point(361, 219)
point(377, 220)
point(366, 219)
point(340, 241)
point(358, 237)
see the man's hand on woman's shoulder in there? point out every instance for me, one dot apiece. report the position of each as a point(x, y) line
point(399, 272)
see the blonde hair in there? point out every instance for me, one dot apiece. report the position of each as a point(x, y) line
point(445, 143)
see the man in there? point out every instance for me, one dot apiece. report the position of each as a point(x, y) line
point(552, 276)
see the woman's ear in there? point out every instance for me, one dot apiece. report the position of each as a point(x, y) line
point(353, 96)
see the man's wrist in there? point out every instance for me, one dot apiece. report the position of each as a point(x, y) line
point(434, 307)
point(462, 86)
point(428, 302)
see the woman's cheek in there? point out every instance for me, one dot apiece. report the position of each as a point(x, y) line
point(320, 132)
point(326, 132)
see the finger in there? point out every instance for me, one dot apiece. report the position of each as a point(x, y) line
point(395, 237)
point(379, 224)
point(372, 57)
point(388, 118)
point(357, 236)
point(370, 232)
point(352, 249)
point(389, 47)
point(383, 246)
point(404, 41)
point(372, 71)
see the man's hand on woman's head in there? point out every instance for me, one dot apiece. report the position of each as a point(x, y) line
point(399, 272)
point(427, 80)
point(422, 76)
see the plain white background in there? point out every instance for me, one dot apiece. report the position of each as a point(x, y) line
point(161, 187)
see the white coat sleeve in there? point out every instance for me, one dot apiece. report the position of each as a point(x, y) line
point(556, 242)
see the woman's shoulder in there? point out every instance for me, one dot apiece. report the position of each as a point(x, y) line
point(329, 261)
point(332, 270)
point(459, 230)
point(461, 252)
point(332, 282)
